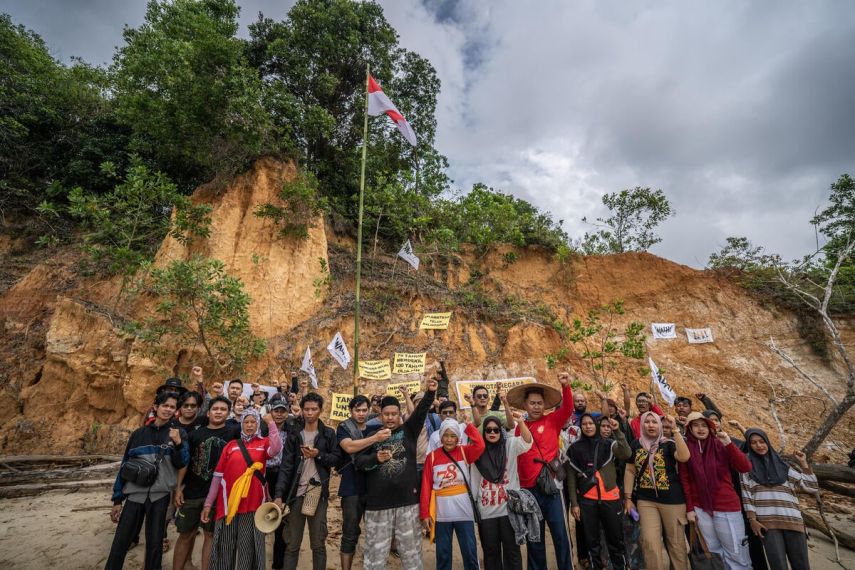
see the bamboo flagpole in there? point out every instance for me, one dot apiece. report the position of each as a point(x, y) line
point(359, 238)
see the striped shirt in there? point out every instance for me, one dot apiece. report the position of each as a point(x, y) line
point(776, 506)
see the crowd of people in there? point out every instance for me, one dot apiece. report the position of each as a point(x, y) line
point(416, 471)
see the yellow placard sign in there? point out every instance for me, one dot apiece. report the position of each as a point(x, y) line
point(464, 388)
point(339, 410)
point(413, 387)
point(435, 321)
point(406, 363)
point(375, 369)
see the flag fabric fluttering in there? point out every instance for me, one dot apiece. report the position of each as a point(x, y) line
point(407, 255)
point(665, 389)
point(338, 350)
point(379, 103)
point(309, 368)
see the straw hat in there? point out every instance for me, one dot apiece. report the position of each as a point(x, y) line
point(517, 395)
point(699, 416)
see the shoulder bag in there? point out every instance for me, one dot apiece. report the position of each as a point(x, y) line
point(551, 473)
point(141, 471)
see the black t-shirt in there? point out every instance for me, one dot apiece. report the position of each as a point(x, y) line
point(395, 483)
point(206, 445)
point(668, 489)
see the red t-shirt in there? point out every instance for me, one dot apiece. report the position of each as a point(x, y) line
point(437, 461)
point(232, 465)
point(545, 433)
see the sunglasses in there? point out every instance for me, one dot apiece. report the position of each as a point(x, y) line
point(492, 430)
point(190, 406)
point(482, 395)
point(447, 413)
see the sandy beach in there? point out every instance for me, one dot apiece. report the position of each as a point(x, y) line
point(70, 530)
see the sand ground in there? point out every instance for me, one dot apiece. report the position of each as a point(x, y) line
point(70, 530)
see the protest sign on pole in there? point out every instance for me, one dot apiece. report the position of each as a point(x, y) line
point(309, 367)
point(413, 387)
point(699, 336)
point(664, 330)
point(339, 410)
point(435, 321)
point(665, 389)
point(375, 369)
point(464, 387)
point(338, 350)
point(409, 363)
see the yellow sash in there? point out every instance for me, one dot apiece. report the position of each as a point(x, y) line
point(447, 492)
point(240, 490)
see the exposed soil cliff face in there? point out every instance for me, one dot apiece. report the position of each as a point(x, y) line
point(71, 380)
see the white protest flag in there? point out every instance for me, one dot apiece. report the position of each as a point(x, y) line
point(339, 350)
point(407, 254)
point(309, 368)
point(664, 330)
point(664, 388)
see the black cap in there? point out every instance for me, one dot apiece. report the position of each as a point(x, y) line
point(172, 385)
point(278, 401)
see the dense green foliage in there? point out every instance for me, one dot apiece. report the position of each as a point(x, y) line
point(200, 305)
point(635, 214)
point(57, 126)
point(184, 87)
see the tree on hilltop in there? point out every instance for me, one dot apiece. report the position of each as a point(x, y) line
point(635, 214)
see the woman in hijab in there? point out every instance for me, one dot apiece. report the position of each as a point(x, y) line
point(769, 496)
point(446, 506)
point(239, 487)
point(594, 492)
point(652, 480)
point(495, 473)
point(711, 500)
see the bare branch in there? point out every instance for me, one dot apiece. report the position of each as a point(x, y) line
point(774, 348)
point(832, 277)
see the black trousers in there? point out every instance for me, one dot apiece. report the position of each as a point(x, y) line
point(607, 515)
point(352, 511)
point(272, 476)
point(501, 551)
point(783, 545)
point(154, 513)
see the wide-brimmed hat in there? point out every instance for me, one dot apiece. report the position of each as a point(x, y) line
point(518, 394)
point(699, 416)
point(172, 385)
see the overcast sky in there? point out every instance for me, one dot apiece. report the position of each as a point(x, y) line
point(743, 113)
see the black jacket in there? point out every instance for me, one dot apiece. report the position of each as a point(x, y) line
point(329, 455)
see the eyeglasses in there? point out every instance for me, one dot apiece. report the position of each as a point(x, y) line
point(447, 413)
point(190, 406)
point(492, 430)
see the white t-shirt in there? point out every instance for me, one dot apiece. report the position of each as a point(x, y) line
point(492, 498)
point(456, 507)
point(435, 443)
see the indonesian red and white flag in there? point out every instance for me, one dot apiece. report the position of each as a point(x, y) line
point(379, 103)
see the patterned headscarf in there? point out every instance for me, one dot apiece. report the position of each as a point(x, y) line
point(250, 412)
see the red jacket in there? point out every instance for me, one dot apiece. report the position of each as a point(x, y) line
point(726, 500)
point(545, 433)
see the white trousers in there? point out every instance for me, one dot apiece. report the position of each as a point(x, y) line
point(725, 535)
